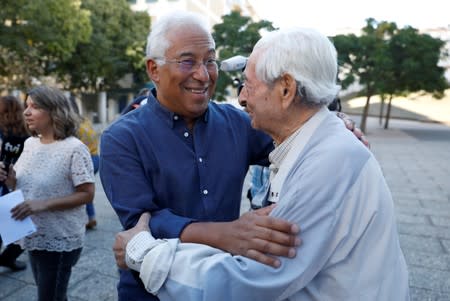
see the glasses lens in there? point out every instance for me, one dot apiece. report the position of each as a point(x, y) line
point(187, 65)
point(239, 89)
point(212, 66)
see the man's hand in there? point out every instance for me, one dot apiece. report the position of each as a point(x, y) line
point(258, 236)
point(27, 208)
point(122, 239)
point(254, 235)
point(350, 125)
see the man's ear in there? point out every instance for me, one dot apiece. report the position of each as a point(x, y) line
point(288, 90)
point(153, 70)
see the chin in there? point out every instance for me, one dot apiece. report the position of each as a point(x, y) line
point(199, 109)
point(200, 98)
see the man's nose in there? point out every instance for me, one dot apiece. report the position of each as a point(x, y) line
point(201, 73)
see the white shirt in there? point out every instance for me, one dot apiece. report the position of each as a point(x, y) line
point(46, 171)
point(335, 191)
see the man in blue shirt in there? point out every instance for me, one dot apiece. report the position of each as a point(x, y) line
point(184, 158)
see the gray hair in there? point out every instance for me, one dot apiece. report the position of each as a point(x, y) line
point(65, 121)
point(305, 54)
point(157, 42)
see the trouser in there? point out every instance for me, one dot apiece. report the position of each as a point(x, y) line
point(51, 271)
point(11, 252)
point(90, 210)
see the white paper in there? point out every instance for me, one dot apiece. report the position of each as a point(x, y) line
point(12, 230)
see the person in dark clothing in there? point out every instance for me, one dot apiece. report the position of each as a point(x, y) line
point(12, 137)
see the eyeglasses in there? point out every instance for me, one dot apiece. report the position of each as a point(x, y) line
point(239, 88)
point(246, 87)
point(239, 84)
point(191, 65)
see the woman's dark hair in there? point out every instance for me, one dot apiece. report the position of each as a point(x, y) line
point(11, 117)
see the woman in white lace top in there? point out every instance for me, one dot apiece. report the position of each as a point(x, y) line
point(55, 174)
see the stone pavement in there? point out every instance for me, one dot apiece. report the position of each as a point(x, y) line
point(415, 158)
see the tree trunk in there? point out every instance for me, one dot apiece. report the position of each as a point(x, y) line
point(380, 118)
point(364, 116)
point(388, 113)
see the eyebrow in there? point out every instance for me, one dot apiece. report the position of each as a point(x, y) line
point(188, 53)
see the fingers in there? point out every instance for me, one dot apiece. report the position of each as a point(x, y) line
point(122, 239)
point(261, 237)
point(268, 227)
point(21, 211)
point(276, 224)
point(263, 258)
point(119, 248)
point(265, 211)
point(272, 248)
point(365, 141)
point(142, 224)
point(277, 242)
point(11, 170)
point(360, 135)
point(351, 125)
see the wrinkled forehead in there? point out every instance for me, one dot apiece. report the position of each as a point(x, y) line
point(250, 68)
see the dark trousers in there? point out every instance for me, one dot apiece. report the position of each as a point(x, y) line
point(10, 254)
point(51, 271)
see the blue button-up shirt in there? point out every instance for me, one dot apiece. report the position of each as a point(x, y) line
point(150, 161)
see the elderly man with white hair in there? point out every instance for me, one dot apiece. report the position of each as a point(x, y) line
point(322, 179)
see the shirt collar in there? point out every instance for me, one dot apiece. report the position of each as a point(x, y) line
point(165, 114)
point(277, 156)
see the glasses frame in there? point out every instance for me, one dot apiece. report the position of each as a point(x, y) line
point(187, 65)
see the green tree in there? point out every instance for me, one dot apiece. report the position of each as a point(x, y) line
point(364, 59)
point(236, 35)
point(390, 61)
point(36, 36)
point(116, 47)
point(415, 59)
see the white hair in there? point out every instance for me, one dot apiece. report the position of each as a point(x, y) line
point(305, 54)
point(157, 42)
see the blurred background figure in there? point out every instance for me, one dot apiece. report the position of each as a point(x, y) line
point(12, 137)
point(141, 99)
point(56, 176)
point(88, 136)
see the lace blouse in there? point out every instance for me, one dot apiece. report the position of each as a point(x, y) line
point(46, 171)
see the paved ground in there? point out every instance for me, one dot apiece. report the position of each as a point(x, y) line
point(415, 158)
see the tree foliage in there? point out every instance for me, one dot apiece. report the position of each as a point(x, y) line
point(236, 35)
point(36, 36)
point(82, 43)
point(115, 48)
point(365, 59)
point(390, 61)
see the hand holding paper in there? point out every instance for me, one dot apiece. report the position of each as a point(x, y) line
point(12, 230)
